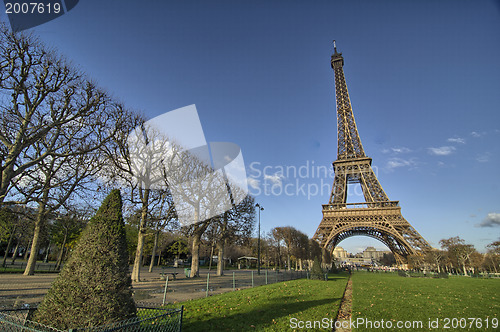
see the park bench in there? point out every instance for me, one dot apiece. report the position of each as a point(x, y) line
point(163, 277)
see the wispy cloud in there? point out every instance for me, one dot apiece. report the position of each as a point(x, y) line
point(483, 158)
point(397, 150)
point(254, 183)
point(400, 150)
point(491, 220)
point(399, 162)
point(442, 151)
point(276, 179)
point(456, 140)
point(476, 134)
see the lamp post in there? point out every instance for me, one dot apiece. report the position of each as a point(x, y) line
point(260, 208)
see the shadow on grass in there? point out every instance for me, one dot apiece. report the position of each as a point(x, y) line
point(337, 277)
point(254, 319)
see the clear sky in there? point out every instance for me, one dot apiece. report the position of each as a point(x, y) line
point(423, 77)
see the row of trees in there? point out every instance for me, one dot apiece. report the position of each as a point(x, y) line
point(456, 256)
point(282, 248)
point(64, 142)
point(54, 126)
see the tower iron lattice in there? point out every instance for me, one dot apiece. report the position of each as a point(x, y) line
point(377, 217)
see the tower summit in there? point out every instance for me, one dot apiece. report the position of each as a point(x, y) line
point(377, 217)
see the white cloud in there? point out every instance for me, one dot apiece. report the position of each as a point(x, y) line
point(397, 150)
point(491, 220)
point(475, 134)
point(399, 162)
point(442, 151)
point(276, 179)
point(400, 150)
point(254, 183)
point(456, 140)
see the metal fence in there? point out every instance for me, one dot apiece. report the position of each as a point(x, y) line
point(208, 283)
point(20, 265)
point(18, 291)
point(147, 320)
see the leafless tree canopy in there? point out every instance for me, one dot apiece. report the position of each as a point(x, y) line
point(54, 125)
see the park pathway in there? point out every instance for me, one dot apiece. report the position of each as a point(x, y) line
point(345, 311)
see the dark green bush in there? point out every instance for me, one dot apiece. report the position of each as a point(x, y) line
point(316, 271)
point(94, 287)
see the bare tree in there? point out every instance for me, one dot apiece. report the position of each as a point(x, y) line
point(54, 122)
point(65, 229)
point(43, 98)
point(476, 260)
point(492, 257)
point(138, 160)
point(458, 251)
point(162, 213)
point(301, 250)
point(203, 191)
point(435, 257)
point(8, 226)
point(294, 241)
point(234, 225)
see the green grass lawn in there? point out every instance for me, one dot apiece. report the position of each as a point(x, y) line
point(387, 296)
point(266, 308)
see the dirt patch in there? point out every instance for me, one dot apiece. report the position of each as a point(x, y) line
point(345, 310)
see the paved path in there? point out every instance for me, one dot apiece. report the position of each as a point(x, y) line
point(16, 289)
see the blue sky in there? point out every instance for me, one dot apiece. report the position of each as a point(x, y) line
point(423, 77)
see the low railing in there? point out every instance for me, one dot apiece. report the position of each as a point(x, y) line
point(147, 319)
point(365, 205)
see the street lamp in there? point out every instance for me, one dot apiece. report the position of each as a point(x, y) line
point(258, 241)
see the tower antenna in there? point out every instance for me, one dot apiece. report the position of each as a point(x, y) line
point(334, 46)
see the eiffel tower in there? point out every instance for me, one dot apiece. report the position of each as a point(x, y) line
point(377, 217)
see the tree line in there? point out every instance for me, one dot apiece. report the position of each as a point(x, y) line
point(65, 143)
point(457, 256)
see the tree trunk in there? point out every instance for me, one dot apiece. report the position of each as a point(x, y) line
point(8, 246)
point(61, 252)
point(140, 238)
point(14, 255)
point(153, 253)
point(195, 252)
point(35, 243)
point(195, 260)
point(220, 262)
point(47, 253)
point(323, 258)
point(221, 245)
point(159, 259)
point(26, 251)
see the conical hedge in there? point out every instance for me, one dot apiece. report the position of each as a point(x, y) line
point(317, 272)
point(94, 287)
